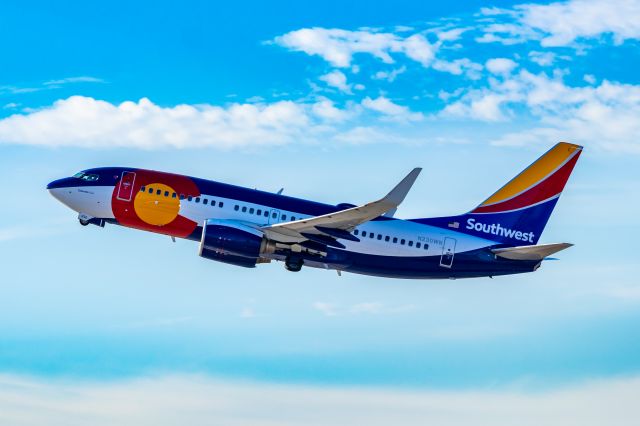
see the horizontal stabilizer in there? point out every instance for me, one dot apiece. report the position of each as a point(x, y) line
point(538, 252)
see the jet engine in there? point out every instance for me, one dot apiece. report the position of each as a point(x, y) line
point(233, 242)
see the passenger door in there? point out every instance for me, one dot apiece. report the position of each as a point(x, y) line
point(448, 251)
point(125, 190)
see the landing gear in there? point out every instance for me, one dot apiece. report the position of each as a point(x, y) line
point(85, 220)
point(293, 264)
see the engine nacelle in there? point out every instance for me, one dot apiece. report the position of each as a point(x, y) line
point(235, 243)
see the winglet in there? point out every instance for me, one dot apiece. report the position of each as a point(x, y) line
point(397, 194)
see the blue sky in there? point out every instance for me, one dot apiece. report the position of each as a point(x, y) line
point(333, 102)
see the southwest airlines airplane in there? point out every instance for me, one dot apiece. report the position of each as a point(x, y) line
point(245, 227)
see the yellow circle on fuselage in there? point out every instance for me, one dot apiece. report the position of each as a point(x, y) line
point(157, 208)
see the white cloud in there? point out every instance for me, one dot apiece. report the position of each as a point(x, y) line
point(589, 78)
point(458, 67)
point(326, 110)
point(196, 400)
point(68, 80)
point(563, 23)
point(390, 109)
point(390, 76)
point(338, 80)
point(500, 66)
point(604, 115)
point(544, 59)
point(452, 34)
point(337, 46)
point(47, 85)
point(255, 99)
point(87, 122)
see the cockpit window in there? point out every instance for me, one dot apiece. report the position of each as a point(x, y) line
point(86, 176)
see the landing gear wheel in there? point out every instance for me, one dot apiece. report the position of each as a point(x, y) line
point(293, 264)
point(83, 222)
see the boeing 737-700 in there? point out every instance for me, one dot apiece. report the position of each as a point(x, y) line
point(246, 227)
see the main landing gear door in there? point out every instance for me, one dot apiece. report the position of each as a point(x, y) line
point(448, 251)
point(125, 190)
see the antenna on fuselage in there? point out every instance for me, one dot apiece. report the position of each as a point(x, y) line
point(280, 192)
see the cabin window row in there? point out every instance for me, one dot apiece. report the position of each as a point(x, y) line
point(387, 238)
point(260, 212)
point(168, 194)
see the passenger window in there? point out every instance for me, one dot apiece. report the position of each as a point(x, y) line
point(371, 235)
point(259, 212)
point(143, 188)
point(236, 207)
point(418, 245)
point(387, 238)
point(213, 203)
point(293, 218)
point(189, 198)
point(379, 236)
point(197, 199)
point(174, 195)
point(355, 232)
point(244, 209)
point(274, 215)
point(205, 201)
point(402, 241)
point(364, 233)
point(220, 204)
point(395, 240)
point(426, 246)
point(284, 217)
point(266, 213)
point(158, 192)
point(410, 243)
point(182, 196)
point(166, 193)
point(150, 190)
point(251, 210)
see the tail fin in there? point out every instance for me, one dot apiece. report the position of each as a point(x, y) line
point(525, 204)
point(518, 212)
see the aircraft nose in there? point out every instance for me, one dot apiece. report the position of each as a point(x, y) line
point(60, 183)
point(59, 190)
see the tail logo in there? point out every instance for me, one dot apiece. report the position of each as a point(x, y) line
point(497, 229)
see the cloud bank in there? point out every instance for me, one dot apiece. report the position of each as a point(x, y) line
point(198, 400)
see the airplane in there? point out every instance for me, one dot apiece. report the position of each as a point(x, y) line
point(246, 227)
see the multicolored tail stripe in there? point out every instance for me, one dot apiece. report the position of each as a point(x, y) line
point(542, 181)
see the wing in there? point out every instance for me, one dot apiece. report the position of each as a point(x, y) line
point(339, 224)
